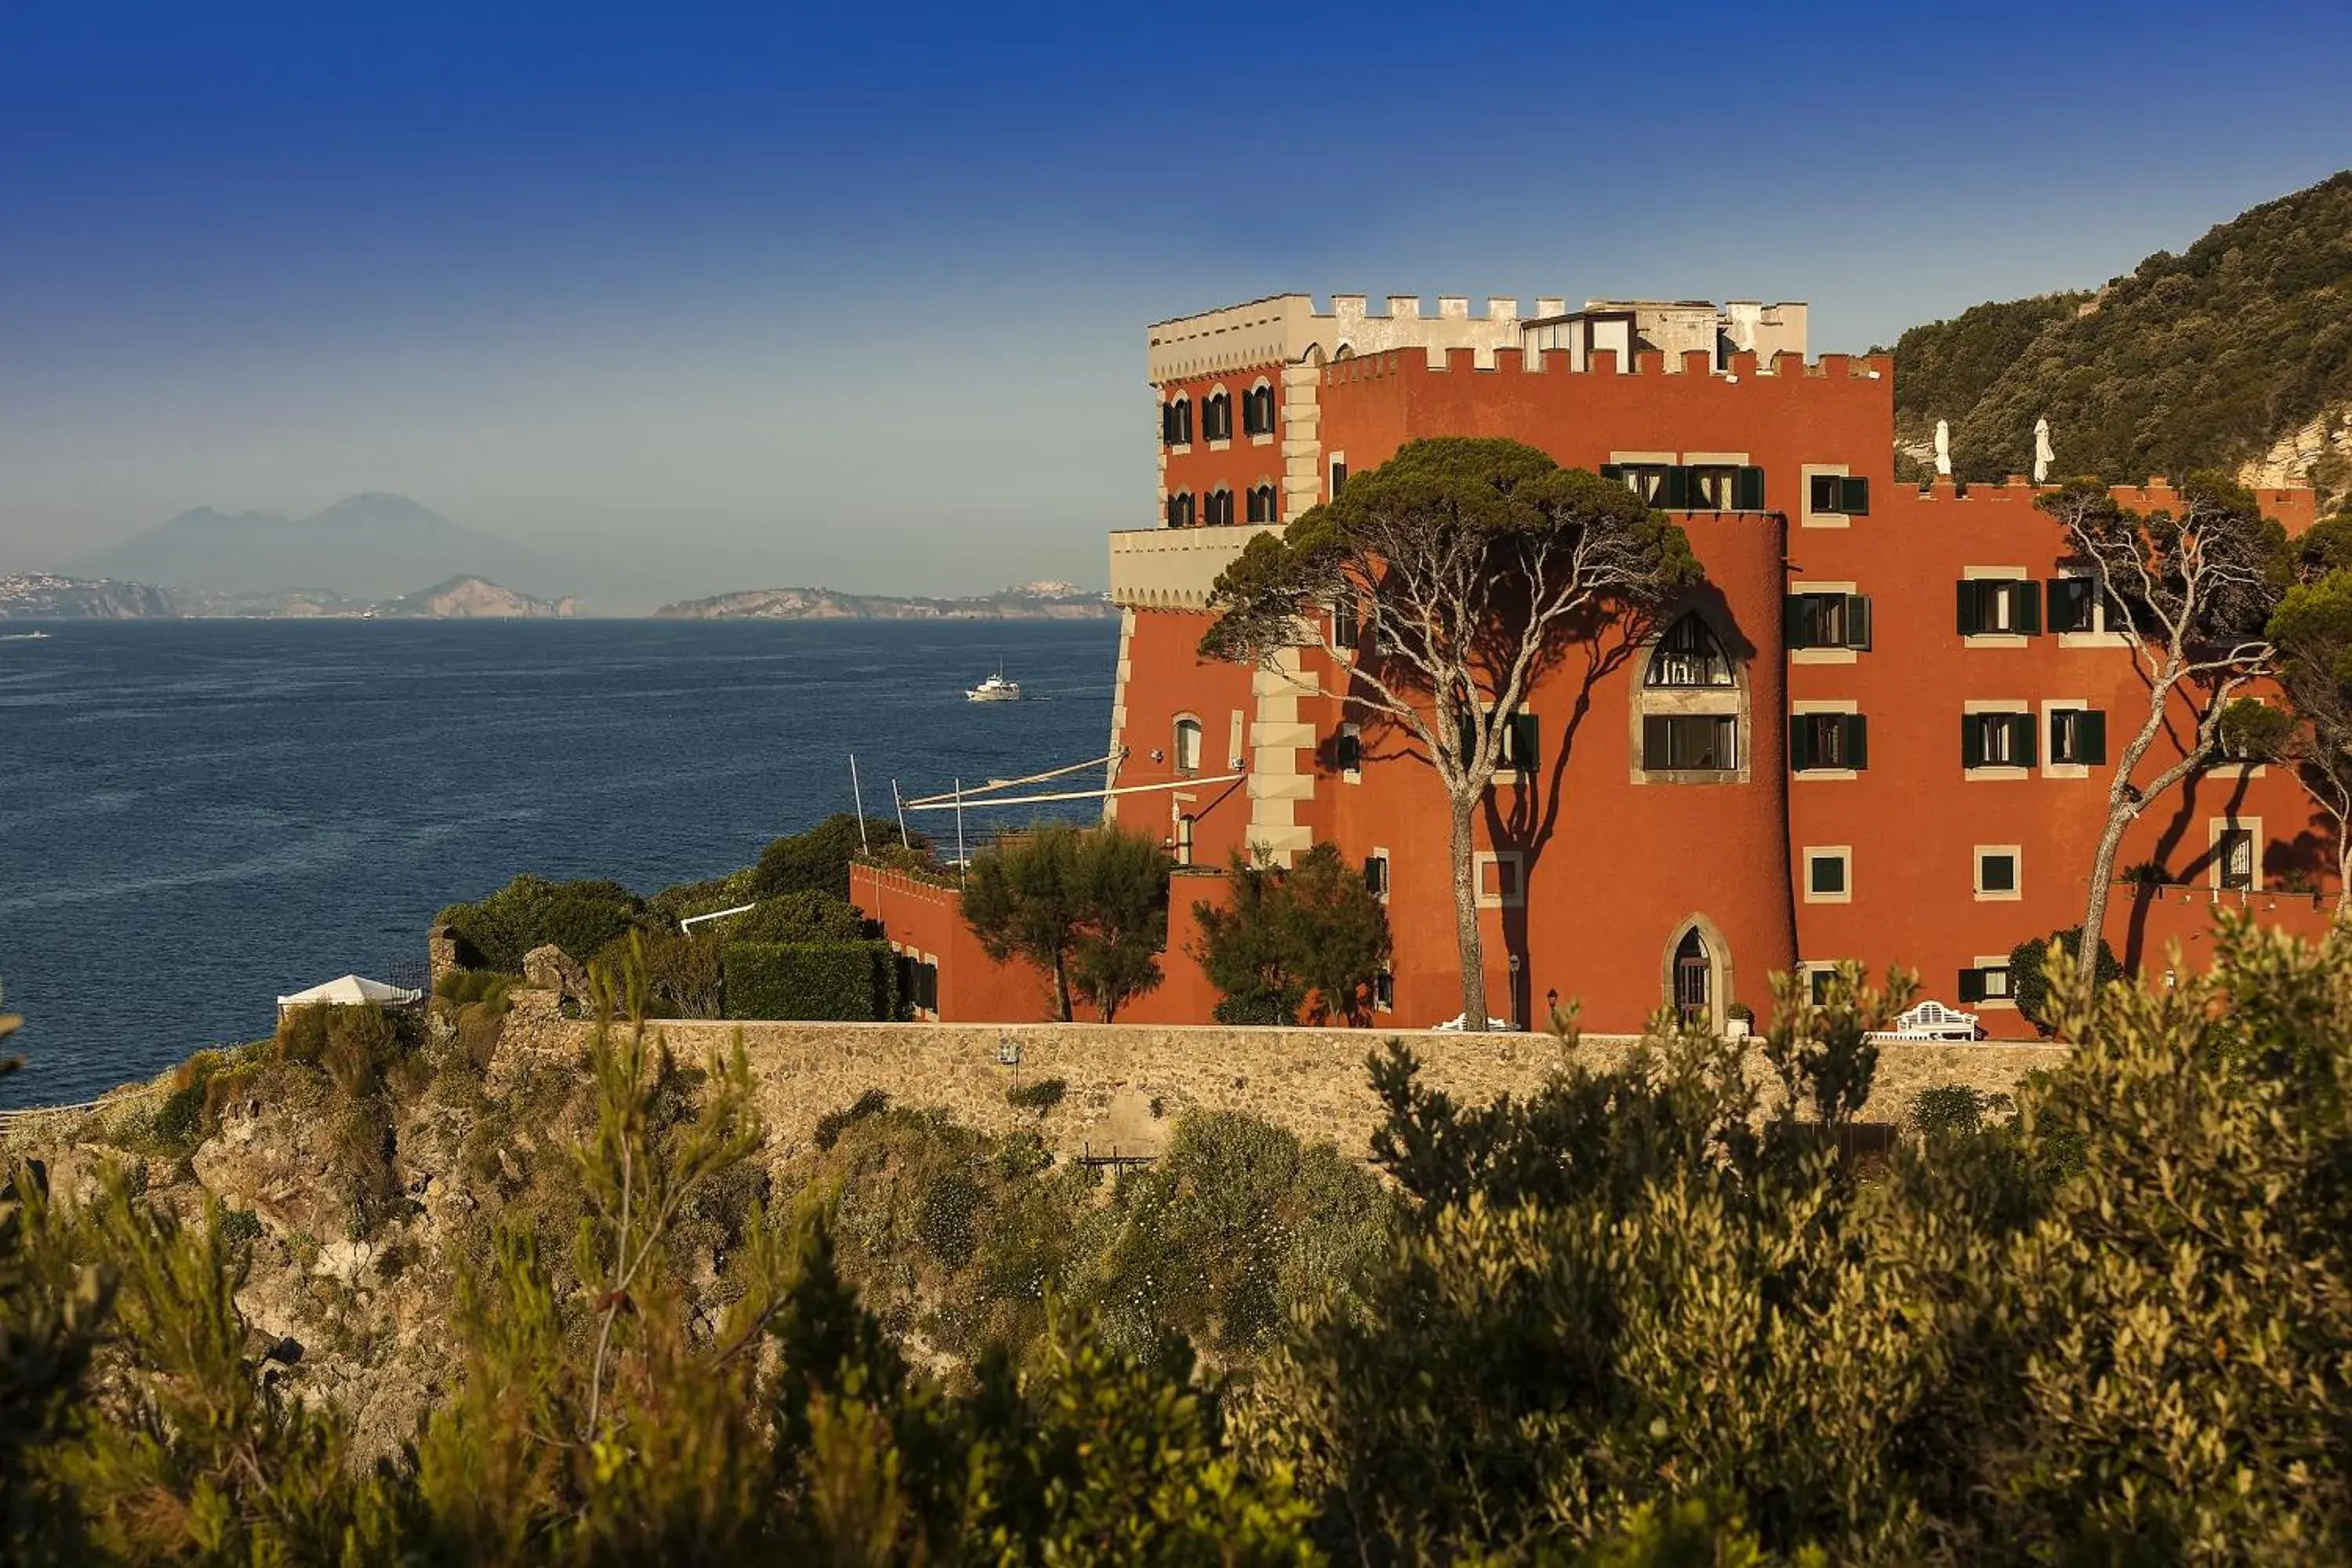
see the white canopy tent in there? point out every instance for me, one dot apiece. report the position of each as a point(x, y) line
point(351, 990)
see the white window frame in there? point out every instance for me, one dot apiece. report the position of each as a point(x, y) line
point(1516, 897)
point(2215, 828)
point(1808, 517)
point(2015, 891)
point(1176, 748)
point(1999, 1004)
point(1823, 705)
point(1823, 654)
point(1355, 774)
point(1841, 853)
point(2014, 706)
point(1387, 872)
point(1998, 575)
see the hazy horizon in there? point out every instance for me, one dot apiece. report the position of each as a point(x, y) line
point(735, 301)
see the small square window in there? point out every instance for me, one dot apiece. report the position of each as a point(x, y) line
point(1499, 882)
point(1997, 875)
point(1820, 978)
point(1384, 991)
point(1828, 876)
point(1376, 873)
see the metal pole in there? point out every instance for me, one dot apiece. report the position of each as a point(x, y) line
point(960, 854)
point(900, 807)
point(858, 799)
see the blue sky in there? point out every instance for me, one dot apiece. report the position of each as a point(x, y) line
point(855, 295)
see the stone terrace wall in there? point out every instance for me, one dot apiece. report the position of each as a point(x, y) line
point(1311, 1081)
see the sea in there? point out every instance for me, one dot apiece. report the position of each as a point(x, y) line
point(199, 817)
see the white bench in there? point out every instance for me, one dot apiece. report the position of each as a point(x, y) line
point(1932, 1020)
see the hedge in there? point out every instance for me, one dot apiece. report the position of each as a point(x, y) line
point(852, 982)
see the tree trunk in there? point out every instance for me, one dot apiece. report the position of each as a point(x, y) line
point(1062, 984)
point(2344, 873)
point(2103, 876)
point(1466, 915)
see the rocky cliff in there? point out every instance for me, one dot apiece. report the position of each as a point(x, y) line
point(41, 597)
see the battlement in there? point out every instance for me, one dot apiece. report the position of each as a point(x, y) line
point(1698, 363)
point(1288, 329)
point(2293, 505)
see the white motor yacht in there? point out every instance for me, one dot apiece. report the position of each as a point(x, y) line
point(995, 688)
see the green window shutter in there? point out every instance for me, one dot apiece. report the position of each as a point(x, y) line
point(1613, 472)
point(1972, 746)
point(1465, 731)
point(1857, 621)
point(1972, 985)
point(1794, 633)
point(1857, 741)
point(2029, 606)
point(1825, 496)
point(1971, 604)
point(1747, 491)
point(1524, 738)
point(1677, 496)
point(2091, 738)
point(2029, 749)
point(1800, 743)
point(2070, 604)
point(1654, 741)
point(1853, 497)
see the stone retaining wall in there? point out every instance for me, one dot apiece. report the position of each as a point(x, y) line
point(1127, 1083)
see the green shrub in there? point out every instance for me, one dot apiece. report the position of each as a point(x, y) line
point(1947, 1107)
point(302, 1034)
point(238, 1225)
point(2026, 981)
point(672, 905)
point(850, 982)
point(681, 971)
point(829, 1126)
point(1260, 1007)
point(580, 918)
point(799, 918)
point(817, 861)
point(486, 986)
point(1039, 1096)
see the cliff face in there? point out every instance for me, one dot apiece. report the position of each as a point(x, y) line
point(476, 599)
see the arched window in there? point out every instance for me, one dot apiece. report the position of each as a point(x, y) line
point(1217, 416)
point(1689, 655)
point(1184, 841)
point(1262, 507)
point(1188, 745)
point(1218, 513)
point(1180, 510)
point(1258, 410)
point(1176, 422)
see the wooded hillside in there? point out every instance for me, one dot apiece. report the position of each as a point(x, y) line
point(2204, 359)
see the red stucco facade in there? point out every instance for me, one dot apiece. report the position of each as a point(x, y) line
point(1619, 865)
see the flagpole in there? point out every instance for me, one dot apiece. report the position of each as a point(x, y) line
point(857, 797)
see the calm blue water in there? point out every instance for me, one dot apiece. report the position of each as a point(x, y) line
point(196, 816)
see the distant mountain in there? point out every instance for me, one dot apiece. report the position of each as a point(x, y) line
point(41, 597)
point(2237, 354)
point(1029, 602)
point(368, 548)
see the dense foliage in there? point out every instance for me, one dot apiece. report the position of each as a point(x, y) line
point(852, 982)
point(1087, 907)
point(2029, 975)
point(1646, 1314)
point(1312, 932)
point(2201, 360)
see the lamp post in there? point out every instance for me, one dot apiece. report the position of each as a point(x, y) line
point(1519, 1013)
point(1552, 1006)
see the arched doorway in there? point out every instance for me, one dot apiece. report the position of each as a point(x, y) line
point(1694, 978)
point(1695, 973)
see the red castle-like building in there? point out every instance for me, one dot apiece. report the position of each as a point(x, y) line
point(1880, 731)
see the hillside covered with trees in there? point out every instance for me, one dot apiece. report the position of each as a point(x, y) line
point(2202, 360)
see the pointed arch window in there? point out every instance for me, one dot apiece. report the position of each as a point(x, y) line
point(1180, 510)
point(1176, 422)
point(1690, 654)
point(1258, 410)
point(1262, 505)
point(1218, 509)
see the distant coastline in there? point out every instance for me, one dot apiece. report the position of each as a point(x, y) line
point(49, 596)
point(1027, 602)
